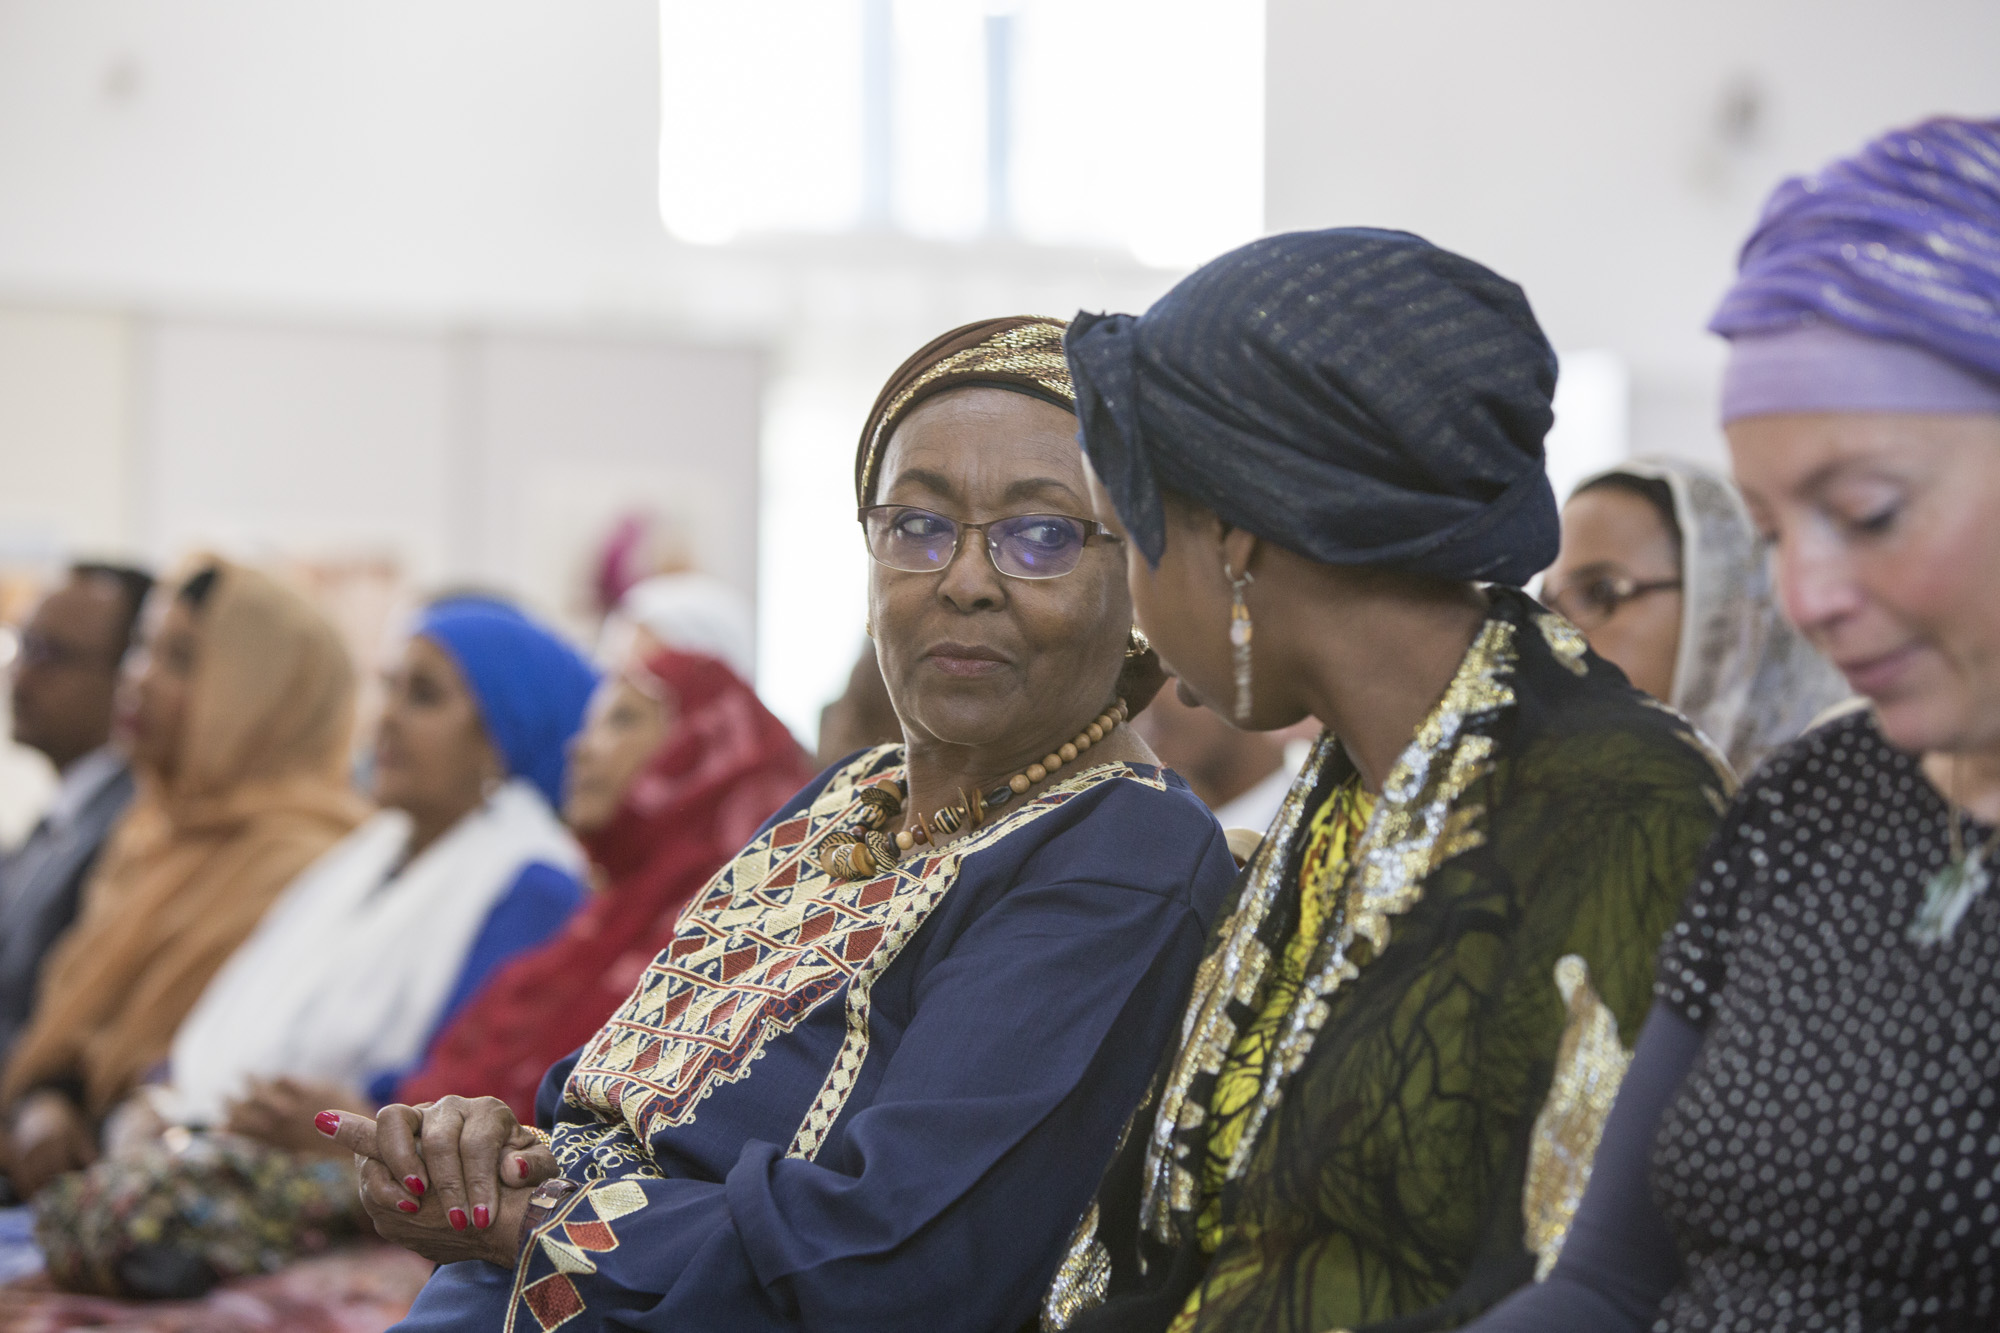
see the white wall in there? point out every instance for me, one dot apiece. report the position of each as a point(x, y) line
point(306, 201)
point(372, 156)
point(1599, 153)
point(494, 458)
point(65, 419)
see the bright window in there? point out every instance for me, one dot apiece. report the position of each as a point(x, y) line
point(1074, 122)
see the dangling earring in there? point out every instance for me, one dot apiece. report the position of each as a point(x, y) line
point(1138, 645)
point(1239, 639)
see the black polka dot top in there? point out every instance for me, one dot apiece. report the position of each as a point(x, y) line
point(1833, 1159)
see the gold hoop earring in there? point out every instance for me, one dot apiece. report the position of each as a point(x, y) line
point(1137, 644)
point(1239, 639)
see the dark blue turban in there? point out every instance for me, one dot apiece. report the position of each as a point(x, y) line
point(1360, 397)
point(530, 686)
point(1900, 242)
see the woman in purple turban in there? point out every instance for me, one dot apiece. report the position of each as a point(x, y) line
point(1807, 1138)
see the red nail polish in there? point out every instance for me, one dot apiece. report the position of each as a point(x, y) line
point(457, 1216)
point(327, 1123)
point(521, 1166)
point(415, 1185)
point(480, 1217)
point(407, 1205)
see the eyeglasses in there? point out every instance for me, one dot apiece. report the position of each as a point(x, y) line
point(1590, 602)
point(39, 650)
point(1026, 546)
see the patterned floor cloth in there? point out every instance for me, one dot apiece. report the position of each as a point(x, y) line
point(359, 1289)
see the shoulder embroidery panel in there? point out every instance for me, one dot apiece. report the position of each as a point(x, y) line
point(1590, 1064)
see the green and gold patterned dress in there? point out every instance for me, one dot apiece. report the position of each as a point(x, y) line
point(1410, 1021)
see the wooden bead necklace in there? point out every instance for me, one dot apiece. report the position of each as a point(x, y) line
point(865, 849)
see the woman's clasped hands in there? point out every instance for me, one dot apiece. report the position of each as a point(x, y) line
point(450, 1179)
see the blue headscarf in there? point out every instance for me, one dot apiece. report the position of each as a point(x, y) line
point(1360, 397)
point(1900, 242)
point(530, 686)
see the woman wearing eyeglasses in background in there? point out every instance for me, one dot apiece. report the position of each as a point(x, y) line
point(872, 1080)
point(1664, 573)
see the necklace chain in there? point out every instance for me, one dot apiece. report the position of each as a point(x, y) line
point(1949, 892)
point(865, 848)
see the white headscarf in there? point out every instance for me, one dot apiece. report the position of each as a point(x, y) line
point(689, 612)
point(347, 974)
point(1743, 675)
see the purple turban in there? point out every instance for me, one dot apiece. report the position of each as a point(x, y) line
point(1899, 244)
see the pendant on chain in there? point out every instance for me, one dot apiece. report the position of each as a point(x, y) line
point(1947, 897)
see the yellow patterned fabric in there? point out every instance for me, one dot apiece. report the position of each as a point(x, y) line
point(1379, 1169)
point(1330, 841)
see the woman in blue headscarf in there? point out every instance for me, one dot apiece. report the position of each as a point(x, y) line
point(359, 963)
point(1806, 1138)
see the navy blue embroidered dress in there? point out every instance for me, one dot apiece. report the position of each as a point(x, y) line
point(874, 1104)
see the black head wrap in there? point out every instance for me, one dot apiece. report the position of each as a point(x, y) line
point(1360, 397)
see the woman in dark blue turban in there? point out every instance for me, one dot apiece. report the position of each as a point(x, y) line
point(1806, 1138)
point(1325, 450)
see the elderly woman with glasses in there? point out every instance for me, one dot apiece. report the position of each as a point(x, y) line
point(1663, 571)
point(872, 1080)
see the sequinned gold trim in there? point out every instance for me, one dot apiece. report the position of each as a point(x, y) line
point(1421, 821)
point(1082, 1279)
point(1031, 351)
point(1233, 970)
point(928, 879)
point(1590, 1064)
point(1565, 640)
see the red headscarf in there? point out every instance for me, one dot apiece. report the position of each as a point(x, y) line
point(726, 766)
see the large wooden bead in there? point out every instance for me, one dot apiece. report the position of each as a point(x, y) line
point(1052, 762)
point(904, 841)
point(847, 860)
point(949, 819)
point(1068, 752)
point(881, 850)
point(1020, 783)
point(1036, 773)
point(1096, 730)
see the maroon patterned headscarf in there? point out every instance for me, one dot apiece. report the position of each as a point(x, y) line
point(727, 764)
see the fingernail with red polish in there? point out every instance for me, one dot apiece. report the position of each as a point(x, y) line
point(457, 1216)
point(521, 1165)
point(415, 1185)
point(480, 1217)
point(327, 1123)
point(407, 1205)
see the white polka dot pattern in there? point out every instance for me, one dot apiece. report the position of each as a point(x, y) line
point(1833, 1160)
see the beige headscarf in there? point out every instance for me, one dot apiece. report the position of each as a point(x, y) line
point(259, 793)
point(1743, 675)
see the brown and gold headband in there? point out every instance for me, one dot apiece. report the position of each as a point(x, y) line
point(1021, 353)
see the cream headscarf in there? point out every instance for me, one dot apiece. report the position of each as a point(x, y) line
point(1743, 675)
point(260, 791)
